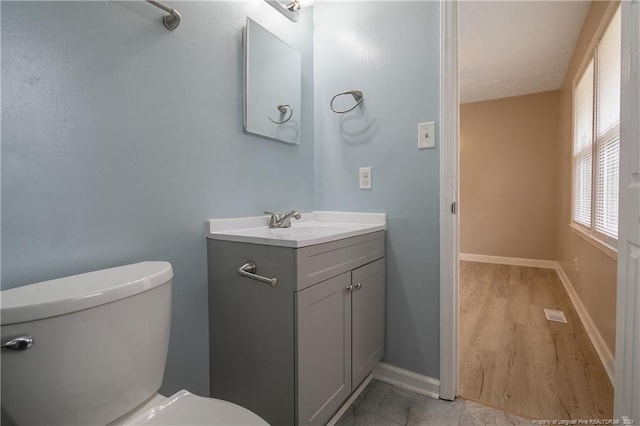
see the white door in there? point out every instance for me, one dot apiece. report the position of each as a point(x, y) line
point(627, 382)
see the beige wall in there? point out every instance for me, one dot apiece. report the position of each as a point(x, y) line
point(515, 184)
point(591, 272)
point(508, 176)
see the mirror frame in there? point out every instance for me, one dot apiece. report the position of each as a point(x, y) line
point(296, 112)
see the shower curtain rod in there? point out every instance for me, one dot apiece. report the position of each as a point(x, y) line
point(171, 21)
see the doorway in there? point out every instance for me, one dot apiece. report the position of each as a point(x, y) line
point(448, 321)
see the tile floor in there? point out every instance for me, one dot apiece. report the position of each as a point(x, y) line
point(382, 404)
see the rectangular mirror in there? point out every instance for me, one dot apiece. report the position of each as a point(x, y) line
point(272, 85)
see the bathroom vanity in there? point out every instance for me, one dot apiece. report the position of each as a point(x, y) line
point(294, 352)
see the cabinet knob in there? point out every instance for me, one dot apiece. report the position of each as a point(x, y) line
point(358, 286)
point(350, 288)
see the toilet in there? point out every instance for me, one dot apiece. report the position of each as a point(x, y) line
point(91, 349)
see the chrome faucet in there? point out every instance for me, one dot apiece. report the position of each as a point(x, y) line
point(282, 220)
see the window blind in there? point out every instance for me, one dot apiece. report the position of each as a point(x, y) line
point(608, 130)
point(583, 147)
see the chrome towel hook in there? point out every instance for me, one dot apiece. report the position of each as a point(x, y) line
point(283, 112)
point(357, 96)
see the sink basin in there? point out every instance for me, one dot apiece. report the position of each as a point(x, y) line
point(312, 228)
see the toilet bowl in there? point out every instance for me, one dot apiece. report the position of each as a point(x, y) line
point(185, 408)
point(92, 348)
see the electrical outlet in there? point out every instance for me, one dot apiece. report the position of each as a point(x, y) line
point(364, 174)
point(427, 135)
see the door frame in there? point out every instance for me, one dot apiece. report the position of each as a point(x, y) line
point(627, 357)
point(449, 154)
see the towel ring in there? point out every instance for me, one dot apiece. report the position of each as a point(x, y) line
point(357, 96)
point(283, 111)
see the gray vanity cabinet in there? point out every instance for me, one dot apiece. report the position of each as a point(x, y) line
point(340, 335)
point(324, 349)
point(294, 353)
point(368, 319)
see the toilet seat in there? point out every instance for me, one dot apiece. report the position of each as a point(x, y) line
point(185, 408)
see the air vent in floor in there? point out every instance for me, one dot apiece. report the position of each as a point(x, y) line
point(556, 316)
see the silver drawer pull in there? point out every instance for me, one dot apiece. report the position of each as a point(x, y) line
point(19, 343)
point(350, 288)
point(249, 270)
point(358, 286)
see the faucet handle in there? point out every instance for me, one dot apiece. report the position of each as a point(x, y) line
point(293, 213)
point(273, 219)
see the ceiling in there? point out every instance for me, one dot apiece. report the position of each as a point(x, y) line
point(511, 48)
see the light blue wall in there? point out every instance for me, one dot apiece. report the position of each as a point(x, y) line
point(390, 51)
point(120, 138)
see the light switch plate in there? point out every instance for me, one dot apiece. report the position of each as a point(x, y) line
point(427, 135)
point(364, 174)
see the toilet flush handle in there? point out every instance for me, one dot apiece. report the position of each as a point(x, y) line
point(19, 343)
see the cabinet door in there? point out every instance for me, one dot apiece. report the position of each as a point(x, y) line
point(324, 349)
point(368, 305)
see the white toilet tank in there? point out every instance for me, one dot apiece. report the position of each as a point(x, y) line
point(99, 345)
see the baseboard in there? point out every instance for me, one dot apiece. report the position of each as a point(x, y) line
point(500, 260)
point(605, 355)
point(424, 385)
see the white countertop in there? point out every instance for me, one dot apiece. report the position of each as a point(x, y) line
point(312, 228)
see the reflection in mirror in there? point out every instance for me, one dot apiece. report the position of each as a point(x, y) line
point(272, 85)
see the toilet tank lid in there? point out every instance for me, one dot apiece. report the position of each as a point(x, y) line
point(78, 292)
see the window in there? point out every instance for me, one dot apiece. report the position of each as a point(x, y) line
point(596, 139)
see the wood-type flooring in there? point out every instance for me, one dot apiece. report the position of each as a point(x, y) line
point(513, 359)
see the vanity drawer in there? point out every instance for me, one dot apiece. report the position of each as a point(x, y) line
point(323, 261)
